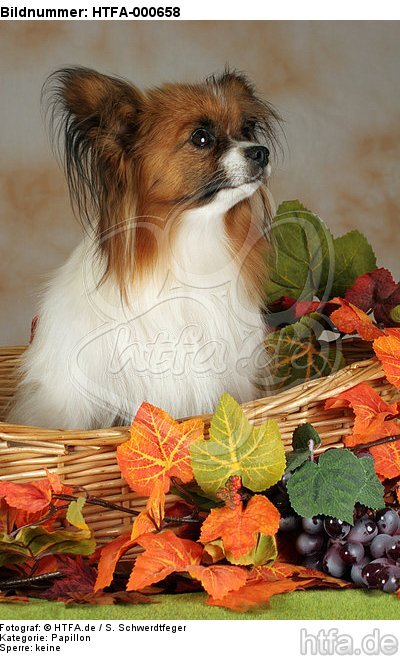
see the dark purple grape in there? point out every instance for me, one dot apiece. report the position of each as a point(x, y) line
point(312, 525)
point(393, 582)
point(380, 543)
point(332, 563)
point(314, 561)
point(364, 454)
point(393, 550)
point(356, 572)
point(351, 552)
point(337, 529)
point(376, 574)
point(387, 521)
point(307, 544)
point(289, 523)
point(364, 531)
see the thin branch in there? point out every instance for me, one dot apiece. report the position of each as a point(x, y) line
point(29, 580)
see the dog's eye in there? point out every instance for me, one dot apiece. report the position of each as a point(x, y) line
point(248, 131)
point(201, 138)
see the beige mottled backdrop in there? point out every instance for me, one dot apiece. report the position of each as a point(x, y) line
point(337, 85)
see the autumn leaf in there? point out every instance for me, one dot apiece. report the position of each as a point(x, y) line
point(387, 459)
point(377, 292)
point(236, 448)
point(77, 576)
point(374, 418)
point(387, 349)
point(238, 527)
point(109, 557)
point(74, 514)
point(218, 580)
point(265, 582)
point(164, 554)
point(350, 319)
point(256, 594)
point(26, 496)
point(157, 450)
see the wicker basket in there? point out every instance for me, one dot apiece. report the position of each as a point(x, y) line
point(87, 458)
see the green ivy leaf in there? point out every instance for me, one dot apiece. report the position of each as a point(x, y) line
point(302, 254)
point(235, 447)
point(354, 256)
point(329, 487)
point(372, 492)
point(295, 459)
point(296, 354)
point(302, 436)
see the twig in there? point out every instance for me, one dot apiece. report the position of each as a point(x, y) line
point(15, 583)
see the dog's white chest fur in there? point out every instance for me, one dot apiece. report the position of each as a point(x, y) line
point(189, 333)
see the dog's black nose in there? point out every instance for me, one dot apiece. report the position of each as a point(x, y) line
point(259, 154)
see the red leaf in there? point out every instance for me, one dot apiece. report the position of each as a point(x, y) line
point(158, 449)
point(376, 291)
point(239, 527)
point(350, 319)
point(78, 577)
point(164, 554)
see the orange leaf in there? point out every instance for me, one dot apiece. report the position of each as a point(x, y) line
point(269, 580)
point(239, 527)
point(158, 449)
point(164, 554)
point(350, 319)
point(109, 557)
point(256, 594)
point(387, 349)
point(218, 580)
point(371, 414)
point(29, 497)
point(387, 459)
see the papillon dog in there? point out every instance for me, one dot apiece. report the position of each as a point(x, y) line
point(162, 300)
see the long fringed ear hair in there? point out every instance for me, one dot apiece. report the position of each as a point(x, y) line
point(94, 121)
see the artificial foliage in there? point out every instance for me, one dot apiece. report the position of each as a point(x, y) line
point(225, 536)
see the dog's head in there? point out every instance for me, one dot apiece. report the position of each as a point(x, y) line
point(149, 156)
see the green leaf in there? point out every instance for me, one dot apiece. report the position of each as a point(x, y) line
point(302, 254)
point(12, 551)
point(302, 436)
point(74, 514)
point(40, 541)
point(296, 354)
point(235, 447)
point(296, 458)
point(263, 553)
point(354, 256)
point(329, 487)
point(372, 492)
point(33, 541)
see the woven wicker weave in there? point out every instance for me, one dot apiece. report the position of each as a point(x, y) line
point(87, 458)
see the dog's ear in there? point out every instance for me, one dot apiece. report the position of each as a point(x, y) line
point(94, 120)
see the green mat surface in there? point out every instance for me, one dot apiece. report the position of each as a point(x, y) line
point(310, 605)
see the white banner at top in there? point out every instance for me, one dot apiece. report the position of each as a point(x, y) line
point(134, 10)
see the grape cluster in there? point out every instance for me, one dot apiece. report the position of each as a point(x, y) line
point(230, 494)
point(368, 553)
